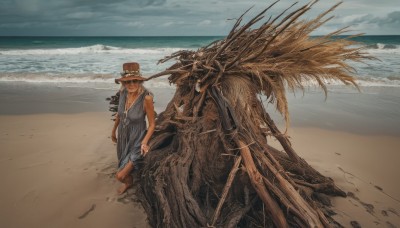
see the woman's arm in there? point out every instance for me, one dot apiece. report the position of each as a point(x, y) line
point(149, 109)
point(114, 130)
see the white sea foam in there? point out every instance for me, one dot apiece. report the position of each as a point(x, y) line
point(50, 78)
point(380, 48)
point(374, 82)
point(100, 81)
point(363, 81)
point(94, 49)
point(96, 59)
point(108, 80)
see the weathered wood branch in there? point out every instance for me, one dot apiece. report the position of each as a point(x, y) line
point(228, 184)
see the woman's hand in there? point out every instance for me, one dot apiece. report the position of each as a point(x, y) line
point(114, 130)
point(114, 137)
point(144, 149)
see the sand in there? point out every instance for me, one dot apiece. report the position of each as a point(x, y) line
point(363, 165)
point(57, 160)
point(57, 171)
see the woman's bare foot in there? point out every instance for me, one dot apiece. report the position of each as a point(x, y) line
point(123, 188)
point(128, 182)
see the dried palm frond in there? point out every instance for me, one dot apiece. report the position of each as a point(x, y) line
point(275, 56)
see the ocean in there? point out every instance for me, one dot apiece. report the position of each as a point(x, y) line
point(95, 61)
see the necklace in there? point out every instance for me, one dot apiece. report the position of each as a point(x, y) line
point(128, 107)
point(129, 102)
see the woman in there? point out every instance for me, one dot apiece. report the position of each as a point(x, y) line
point(135, 103)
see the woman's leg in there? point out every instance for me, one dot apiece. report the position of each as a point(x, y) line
point(128, 182)
point(124, 176)
point(124, 172)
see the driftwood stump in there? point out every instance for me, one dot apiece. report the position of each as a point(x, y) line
point(201, 174)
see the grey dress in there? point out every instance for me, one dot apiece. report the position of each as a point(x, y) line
point(131, 131)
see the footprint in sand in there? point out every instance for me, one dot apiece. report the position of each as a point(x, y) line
point(355, 224)
point(390, 225)
point(29, 198)
point(124, 200)
point(109, 170)
point(369, 207)
point(393, 211)
point(86, 213)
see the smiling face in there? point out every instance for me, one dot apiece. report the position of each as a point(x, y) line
point(132, 86)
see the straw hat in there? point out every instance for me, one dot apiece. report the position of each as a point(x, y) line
point(131, 71)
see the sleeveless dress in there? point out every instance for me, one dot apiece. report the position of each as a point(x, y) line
point(131, 131)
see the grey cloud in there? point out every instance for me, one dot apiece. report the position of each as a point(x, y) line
point(157, 17)
point(389, 19)
point(392, 19)
point(151, 2)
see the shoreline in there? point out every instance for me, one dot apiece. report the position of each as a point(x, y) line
point(373, 111)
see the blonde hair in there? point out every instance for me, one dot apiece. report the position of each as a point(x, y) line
point(141, 88)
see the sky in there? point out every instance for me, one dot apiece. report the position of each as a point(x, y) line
point(178, 17)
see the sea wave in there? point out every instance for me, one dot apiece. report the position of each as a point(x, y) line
point(76, 80)
point(91, 80)
point(393, 81)
point(383, 48)
point(56, 78)
point(98, 48)
point(390, 81)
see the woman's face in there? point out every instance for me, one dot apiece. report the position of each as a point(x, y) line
point(132, 85)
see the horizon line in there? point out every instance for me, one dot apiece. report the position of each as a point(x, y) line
point(163, 35)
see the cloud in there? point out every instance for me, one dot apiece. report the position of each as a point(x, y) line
point(204, 23)
point(353, 18)
point(370, 24)
point(167, 24)
point(172, 23)
point(29, 6)
point(172, 17)
point(392, 19)
point(80, 15)
point(151, 2)
point(136, 24)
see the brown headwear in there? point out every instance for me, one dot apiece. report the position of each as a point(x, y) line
point(131, 71)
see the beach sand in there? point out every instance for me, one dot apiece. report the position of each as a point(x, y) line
point(57, 160)
point(57, 170)
point(365, 166)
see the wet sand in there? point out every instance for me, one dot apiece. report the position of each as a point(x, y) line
point(57, 160)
